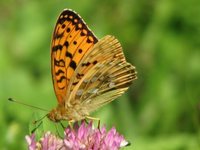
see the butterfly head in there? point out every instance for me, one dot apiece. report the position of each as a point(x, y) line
point(63, 112)
point(57, 114)
point(53, 116)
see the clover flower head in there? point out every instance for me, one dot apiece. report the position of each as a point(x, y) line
point(80, 137)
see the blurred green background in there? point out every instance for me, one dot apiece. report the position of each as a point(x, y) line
point(161, 110)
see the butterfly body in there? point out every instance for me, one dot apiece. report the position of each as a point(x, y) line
point(87, 73)
point(73, 113)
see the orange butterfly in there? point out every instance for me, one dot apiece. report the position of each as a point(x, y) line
point(87, 73)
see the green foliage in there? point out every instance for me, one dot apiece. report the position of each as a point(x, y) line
point(161, 110)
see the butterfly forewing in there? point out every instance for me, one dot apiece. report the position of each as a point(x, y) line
point(71, 41)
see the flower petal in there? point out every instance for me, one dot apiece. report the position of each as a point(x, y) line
point(80, 137)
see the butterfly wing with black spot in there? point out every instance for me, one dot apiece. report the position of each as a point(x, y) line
point(71, 40)
point(102, 75)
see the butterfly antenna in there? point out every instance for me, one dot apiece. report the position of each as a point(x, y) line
point(13, 100)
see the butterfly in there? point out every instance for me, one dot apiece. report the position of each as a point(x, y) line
point(87, 72)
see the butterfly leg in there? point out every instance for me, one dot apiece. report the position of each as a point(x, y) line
point(62, 125)
point(32, 131)
point(39, 120)
point(93, 118)
point(70, 122)
point(56, 126)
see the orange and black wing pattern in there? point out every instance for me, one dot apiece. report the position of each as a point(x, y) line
point(70, 42)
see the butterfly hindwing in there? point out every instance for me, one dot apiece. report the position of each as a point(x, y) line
point(102, 75)
point(71, 41)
